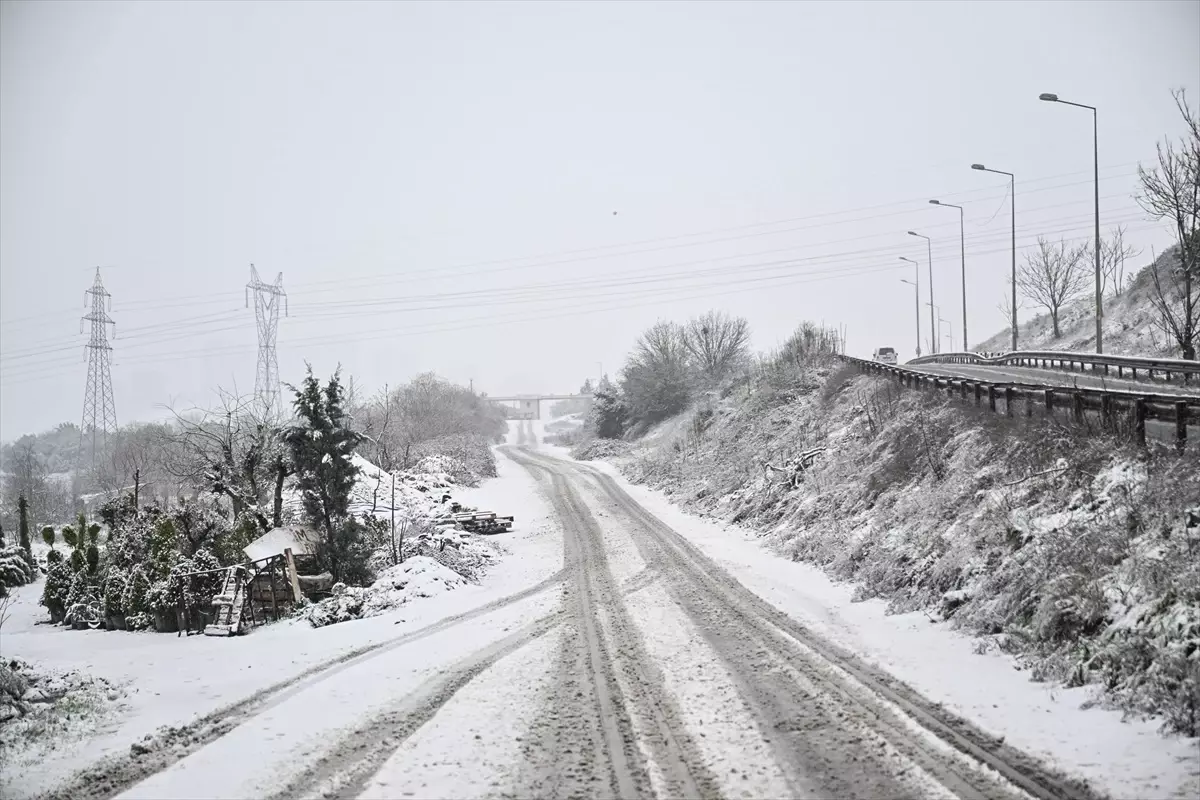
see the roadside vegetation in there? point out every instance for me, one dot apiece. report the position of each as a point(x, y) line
point(1074, 551)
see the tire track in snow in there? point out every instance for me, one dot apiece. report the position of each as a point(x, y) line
point(590, 735)
point(348, 767)
point(740, 625)
point(113, 775)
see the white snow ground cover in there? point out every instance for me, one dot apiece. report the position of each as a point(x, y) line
point(1127, 759)
point(416, 577)
point(173, 681)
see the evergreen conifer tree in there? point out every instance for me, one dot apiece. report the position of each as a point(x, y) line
point(321, 443)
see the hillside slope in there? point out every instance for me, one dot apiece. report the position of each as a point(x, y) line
point(1075, 554)
point(1130, 322)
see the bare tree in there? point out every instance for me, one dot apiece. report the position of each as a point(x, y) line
point(1052, 277)
point(1005, 306)
point(230, 451)
point(656, 379)
point(374, 424)
point(1171, 192)
point(716, 343)
point(26, 478)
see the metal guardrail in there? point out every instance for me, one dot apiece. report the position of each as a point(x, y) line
point(1138, 407)
point(1065, 359)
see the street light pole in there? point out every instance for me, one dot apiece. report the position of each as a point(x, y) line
point(935, 313)
point(929, 250)
point(962, 240)
point(1012, 193)
point(950, 334)
point(916, 297)
point(1050, 97)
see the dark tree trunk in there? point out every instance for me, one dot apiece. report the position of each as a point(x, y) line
point(277, 510)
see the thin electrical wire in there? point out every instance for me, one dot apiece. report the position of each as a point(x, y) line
point(482, 321)
point(505, 296)
point(442, 271)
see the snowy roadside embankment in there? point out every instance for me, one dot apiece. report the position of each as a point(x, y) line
point(1074, 553)
point(1126, 758)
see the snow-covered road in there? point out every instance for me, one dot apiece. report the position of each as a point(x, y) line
point(646, 666)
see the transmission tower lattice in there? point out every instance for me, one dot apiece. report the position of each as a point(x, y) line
point(99, 411)
point(266, 312)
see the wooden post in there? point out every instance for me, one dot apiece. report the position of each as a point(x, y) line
point(274, 600)
point(1120, 370)
point(1008, 400)
point(1077, 406)
point(1139, 420)
point(1106, 411)
point(1028, 402)
point(1181, 421)
point(992, 398)
point(291, 571)
point(978, 394)
point(1049, 399)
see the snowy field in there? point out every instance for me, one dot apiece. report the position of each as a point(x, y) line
point(461, 712)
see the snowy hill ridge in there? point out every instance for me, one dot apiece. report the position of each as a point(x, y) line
point(1130, 322)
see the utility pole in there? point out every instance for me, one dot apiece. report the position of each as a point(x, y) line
point(266, 313)
point(99, 411)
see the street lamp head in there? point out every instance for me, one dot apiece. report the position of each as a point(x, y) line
point(1049, 97)
point(978, 166)
point(935, 202)
point(913, 233)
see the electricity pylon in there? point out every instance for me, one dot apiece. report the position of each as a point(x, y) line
point(266, 312)
point(99, 411)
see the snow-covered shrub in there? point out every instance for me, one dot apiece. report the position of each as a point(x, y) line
point(115, 582)
point(14, 569)
point(57, 585)
point(135, 600)
point(417, 577)
point(466, 457)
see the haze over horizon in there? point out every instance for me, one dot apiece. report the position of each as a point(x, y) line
point(509, 193)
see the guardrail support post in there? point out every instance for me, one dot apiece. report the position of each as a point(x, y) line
point(1077, 407)
point(1181, 421)
point(1133, 371)
point(1028, 402)
point(1120, 370)
point(1008, 400)
point(1139, 421)
point(978, 390)
point(1049, 399)
point(1106, 411)
point(992, 398)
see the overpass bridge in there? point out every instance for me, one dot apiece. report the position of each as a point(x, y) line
point(529, 406)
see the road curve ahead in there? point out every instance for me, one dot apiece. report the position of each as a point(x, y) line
point(820, 723)
point(641, 669)
point(1002, 373)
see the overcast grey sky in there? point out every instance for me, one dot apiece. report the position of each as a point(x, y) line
point(401, 163)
